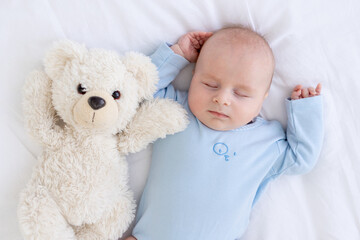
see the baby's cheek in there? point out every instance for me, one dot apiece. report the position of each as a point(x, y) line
point(194, 104)
point(197, 99)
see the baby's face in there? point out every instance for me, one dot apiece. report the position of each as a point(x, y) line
point(229, 86)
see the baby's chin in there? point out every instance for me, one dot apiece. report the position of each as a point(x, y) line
point(219, 128)
point(219, 125)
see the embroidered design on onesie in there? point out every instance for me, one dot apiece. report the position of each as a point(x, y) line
point(222, 149)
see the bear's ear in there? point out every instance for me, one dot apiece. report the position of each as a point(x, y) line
point(144, 71)
point(61, 53)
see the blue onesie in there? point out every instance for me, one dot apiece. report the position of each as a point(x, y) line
point(203, 183)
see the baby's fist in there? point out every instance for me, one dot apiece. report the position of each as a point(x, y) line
point(299, 92)
point(189, 45)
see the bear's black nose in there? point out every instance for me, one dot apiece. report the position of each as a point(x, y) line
point(96, 102)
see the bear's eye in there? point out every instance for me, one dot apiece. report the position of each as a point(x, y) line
point(116, 95)
point(81, 89)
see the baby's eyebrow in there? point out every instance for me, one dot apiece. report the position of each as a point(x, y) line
point(213, 77)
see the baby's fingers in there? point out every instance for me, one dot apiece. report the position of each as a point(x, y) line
point(195, 43)
point(295, 95)
point(297, 88)
point(197, 39)
point(305, 93)
point(200, 35)
point(203, 36)
point(318, 89)
point(312, 91)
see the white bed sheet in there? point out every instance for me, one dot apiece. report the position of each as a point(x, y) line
point(313, 41)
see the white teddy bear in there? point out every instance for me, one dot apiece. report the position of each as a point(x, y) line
point(79, 188)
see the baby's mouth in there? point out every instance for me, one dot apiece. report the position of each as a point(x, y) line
point(218, 114)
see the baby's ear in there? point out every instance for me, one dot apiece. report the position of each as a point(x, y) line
point(144, 72)
point(60, 54)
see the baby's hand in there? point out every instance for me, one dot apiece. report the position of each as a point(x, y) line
point(299, 92)
point(189, 45)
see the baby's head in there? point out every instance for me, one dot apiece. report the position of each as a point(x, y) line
point(231, 79)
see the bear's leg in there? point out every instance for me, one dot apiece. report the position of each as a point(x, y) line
point(40, 218)
point(113, 224)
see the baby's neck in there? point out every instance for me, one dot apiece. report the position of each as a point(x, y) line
point(252, 121)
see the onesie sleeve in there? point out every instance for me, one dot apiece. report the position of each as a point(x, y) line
point(168, 65)
point(299, 151)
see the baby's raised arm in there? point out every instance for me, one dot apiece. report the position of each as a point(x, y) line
point(301, 148)
point(170, 60)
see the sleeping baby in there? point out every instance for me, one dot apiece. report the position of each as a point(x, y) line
point(204, 181)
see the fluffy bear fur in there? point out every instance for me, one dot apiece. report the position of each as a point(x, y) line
point(79, 188)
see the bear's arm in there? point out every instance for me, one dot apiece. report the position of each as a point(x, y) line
point(154, 119)
point(39, 113)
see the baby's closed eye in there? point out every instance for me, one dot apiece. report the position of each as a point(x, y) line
point(210, 85)
point(240, 94)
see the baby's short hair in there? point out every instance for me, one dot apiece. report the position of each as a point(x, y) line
point(235, 30)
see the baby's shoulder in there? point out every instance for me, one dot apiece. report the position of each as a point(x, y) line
point(272, 126)
point(269, 123)
point(275, 124)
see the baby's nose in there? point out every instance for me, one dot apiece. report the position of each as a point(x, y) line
point(222, 100)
